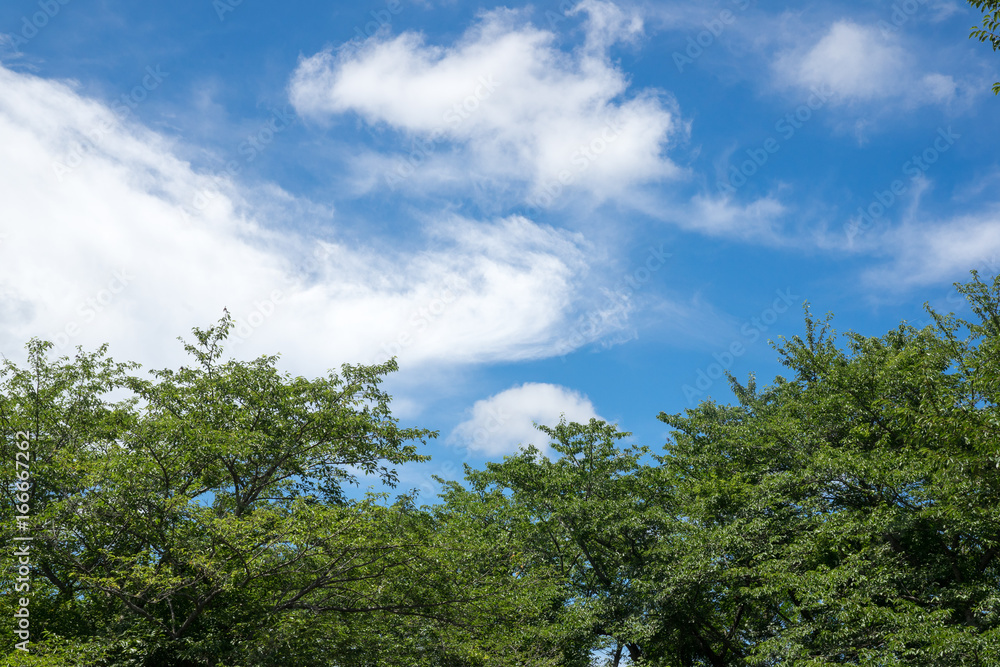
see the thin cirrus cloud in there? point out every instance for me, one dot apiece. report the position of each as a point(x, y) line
point(505, 422)
point(120, 241)
point(513, 104)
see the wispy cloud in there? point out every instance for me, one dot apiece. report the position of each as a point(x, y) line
point(133, 243)
point(942, 251)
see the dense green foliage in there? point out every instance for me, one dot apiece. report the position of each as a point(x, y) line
point(847, 514)
point(852, 512)
point(201, 521)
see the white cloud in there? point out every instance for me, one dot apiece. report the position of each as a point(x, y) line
point(943, 10)
point(502, 423)
point(184, 244)
point(861, 64)
point(759, 220)
point(509, 102)
point(925, 254)
point(852, 60)
point(492, 292)
point(938, 87)
point(755, 219)
point(607, 24)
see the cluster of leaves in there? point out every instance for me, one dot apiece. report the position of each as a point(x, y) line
point(847, 514)
point(990, 29)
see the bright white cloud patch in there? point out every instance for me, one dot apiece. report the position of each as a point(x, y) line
point(516, 106)
point(110, 237)
point(502, 423)
point(860, 63)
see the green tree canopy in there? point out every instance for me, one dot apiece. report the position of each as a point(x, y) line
point(849, 513)
point(202, 520)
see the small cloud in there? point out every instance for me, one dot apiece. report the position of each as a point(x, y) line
point(8, 46)
point(859, 63)
point(938, 87)
point(853, 61)
point(721, 216)
point(608, 24)
point(503, 423)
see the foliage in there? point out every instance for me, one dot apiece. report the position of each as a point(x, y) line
point(200, 519)
point(591, 515)
point(990, 29)
point(852, 510)
point(846, 514)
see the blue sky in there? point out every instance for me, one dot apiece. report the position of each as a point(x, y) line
point(586, 208)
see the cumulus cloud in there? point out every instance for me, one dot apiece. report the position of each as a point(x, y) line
point(111, 237)
point(504, 422)
point(861, 64)
point(509, 103)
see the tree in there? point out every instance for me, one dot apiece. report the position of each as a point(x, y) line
point(593, 515)
point(201, 520)
point(990, 29)
point(846, 514)
point(853, 508)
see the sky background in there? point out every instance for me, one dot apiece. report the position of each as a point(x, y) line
point(579, 208)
